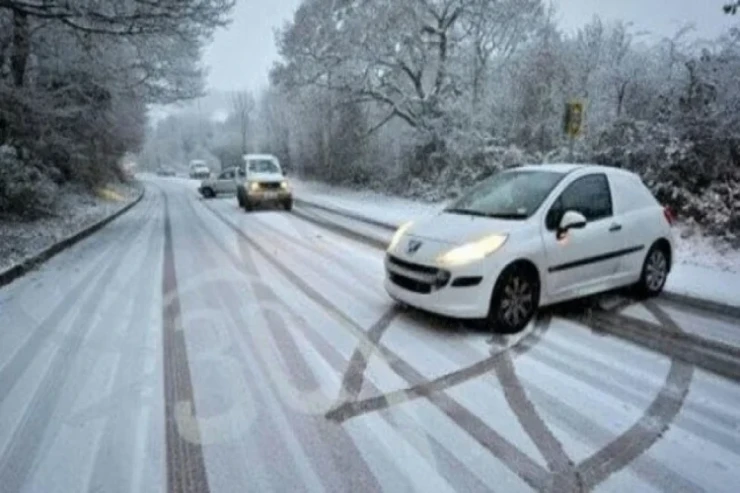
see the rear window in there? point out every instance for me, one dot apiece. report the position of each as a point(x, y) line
point(630, 193)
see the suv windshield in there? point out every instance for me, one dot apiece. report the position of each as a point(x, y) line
point(508, 195)
point(263, 166)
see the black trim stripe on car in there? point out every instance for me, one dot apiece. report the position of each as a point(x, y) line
point(593, 260)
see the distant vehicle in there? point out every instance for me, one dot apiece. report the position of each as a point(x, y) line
point(199, 170)
point(529, 237)
point(260, 180)
point(165, 172)
point(224, 183)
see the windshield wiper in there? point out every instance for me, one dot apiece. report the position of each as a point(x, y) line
point(466, 212)
point(510, 215)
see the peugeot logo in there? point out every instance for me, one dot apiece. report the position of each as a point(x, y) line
point(413, 247)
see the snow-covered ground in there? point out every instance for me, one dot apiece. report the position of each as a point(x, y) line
point(703, 268)
point(75, 208)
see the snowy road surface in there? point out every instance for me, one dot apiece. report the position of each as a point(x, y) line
point(189, 346)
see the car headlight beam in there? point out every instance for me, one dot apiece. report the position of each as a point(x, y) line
point(398, 235)
point(470, 252)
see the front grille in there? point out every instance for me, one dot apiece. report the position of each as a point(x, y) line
point(270, 186)
point(410, 284)
point(415, 277)
point(423, 269)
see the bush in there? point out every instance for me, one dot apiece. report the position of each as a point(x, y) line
point(25, 189)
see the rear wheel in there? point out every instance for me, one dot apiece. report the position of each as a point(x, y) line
point(515, 299)
point(654, 272)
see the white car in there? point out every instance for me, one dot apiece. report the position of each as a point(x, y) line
point(529, 237)
point(260, 180)
point(223, 183)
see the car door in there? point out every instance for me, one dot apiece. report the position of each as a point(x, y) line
point(581, 260)
point(225, 181)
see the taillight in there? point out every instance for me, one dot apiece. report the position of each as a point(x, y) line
point(669, 215)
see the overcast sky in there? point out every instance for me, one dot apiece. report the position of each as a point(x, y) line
point(241, 55)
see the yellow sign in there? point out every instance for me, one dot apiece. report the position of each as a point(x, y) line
point(573, 122)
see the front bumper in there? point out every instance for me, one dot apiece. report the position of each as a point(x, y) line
point(466, 294)
point(268, 196)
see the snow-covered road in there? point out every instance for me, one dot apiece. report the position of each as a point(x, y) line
point(189, 346)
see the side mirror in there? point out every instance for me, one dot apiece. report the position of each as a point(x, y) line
point(571, 220)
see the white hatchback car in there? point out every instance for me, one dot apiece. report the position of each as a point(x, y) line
point(529, 237)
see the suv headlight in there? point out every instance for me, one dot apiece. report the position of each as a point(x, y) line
point(284, 185)
point(473, 251)
point(254, 186)
point(398, 235)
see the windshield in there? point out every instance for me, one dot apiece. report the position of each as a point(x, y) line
point(263, 166)
point(508, 195)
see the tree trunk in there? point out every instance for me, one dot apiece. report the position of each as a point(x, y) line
point(21, 47)
point(621, 92)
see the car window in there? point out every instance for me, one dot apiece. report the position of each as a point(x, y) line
point(226, 175)
point(588, 195)
point(508, 195)
point(263, 166)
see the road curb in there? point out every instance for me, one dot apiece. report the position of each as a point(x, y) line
point(346, 213)
point(701, 303)
point(29, 263)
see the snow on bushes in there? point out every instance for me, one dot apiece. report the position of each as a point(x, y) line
point(24, 189)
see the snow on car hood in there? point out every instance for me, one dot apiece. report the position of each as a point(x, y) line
point(265, 177)
point(458, 229)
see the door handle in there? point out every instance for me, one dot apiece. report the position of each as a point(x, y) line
point(615, 227)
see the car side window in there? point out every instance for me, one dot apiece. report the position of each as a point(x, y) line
point(589, 195)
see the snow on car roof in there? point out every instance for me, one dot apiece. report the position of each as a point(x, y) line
point(567, 168)
point(259, 156)
point(555, 167)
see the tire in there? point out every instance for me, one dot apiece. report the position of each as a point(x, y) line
point(288, 205)
point(654, 272)
point(240, 196)
point(208, 193)
point(515, 299)
point(248, 206)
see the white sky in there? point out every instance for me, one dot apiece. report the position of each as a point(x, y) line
point(241, 55)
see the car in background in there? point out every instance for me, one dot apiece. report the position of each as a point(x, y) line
point(223, 183)
point(199, 170)
point(529, 237)
point(260, 180)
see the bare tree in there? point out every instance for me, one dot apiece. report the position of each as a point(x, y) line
point(242, 107)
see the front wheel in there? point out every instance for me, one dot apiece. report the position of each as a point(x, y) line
point(208, 193)
point(654, 272)
point(515, 299)
point(288, 205)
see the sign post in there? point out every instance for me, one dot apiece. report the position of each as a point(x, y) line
point(573, 123)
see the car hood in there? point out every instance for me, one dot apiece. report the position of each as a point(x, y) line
point(265, 177)
point(458, 229)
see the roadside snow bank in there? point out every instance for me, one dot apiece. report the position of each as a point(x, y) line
point(74, 209)
point(705, 267)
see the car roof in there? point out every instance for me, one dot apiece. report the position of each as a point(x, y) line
point(569, 168)
point(260, 156)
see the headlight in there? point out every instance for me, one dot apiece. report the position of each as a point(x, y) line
point(471, 252)
point(254, 186)
point(284, 185)
point(398, 235)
